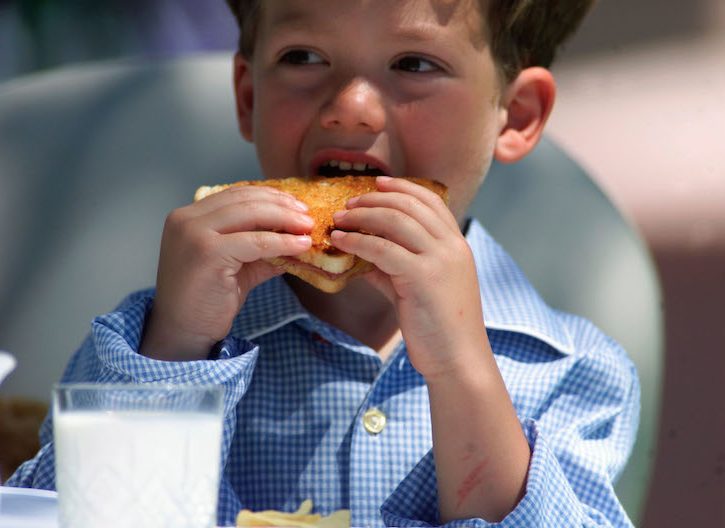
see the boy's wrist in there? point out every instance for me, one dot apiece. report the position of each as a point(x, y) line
point(175, 350)
point(471, 360)
point(162, 343)
point(465, 375)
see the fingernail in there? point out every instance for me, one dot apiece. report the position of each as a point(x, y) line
point(338, 216)
point(303, 240)
point(384, 179)
point(301, 206)
point(352, 201)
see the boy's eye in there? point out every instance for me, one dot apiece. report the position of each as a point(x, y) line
point(301, 57)
point(415, 64)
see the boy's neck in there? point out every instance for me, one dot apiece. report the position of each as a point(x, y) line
point(359, 310)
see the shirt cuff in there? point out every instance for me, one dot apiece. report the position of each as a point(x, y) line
point(117, 338)
point(548, 501)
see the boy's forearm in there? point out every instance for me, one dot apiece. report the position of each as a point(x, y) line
point(481, 453)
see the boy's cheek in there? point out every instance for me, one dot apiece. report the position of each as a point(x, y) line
point(278, 138)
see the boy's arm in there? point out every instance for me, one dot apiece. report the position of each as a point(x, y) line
point(426, 268)
point(110, 355)
point(211, 258)
point(483, 457)
point(481, 453)
point(579, 414)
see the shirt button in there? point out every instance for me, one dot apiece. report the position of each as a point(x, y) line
point(374, 420)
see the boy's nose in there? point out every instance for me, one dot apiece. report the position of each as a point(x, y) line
point(357, 106)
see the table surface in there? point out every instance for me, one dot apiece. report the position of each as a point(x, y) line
point(28, 508)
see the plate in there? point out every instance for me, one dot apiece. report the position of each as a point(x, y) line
point(28, 508)
point(7, 364)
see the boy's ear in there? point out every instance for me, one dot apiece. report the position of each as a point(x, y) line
point(527, 103)
point(244, 95)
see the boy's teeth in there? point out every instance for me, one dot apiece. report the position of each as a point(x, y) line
point(348, 165)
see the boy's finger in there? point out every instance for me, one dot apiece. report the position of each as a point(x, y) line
point(256, 216)
point(385, 222)
point(387, 256)
point(237, 194)
point(425, 195)
point(261, 271)
point(381, 282)
point(255, 245)
point(406, 204)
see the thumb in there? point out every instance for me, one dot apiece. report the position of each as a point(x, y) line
point(255, 273)
point(381, 282)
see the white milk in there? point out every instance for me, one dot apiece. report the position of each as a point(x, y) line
point(137, 469)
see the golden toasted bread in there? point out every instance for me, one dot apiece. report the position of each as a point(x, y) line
point(323, 265)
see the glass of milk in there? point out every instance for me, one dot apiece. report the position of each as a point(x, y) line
point(137, 456)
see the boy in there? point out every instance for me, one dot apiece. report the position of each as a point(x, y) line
point(396, 397)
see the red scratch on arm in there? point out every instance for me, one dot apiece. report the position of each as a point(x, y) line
point(472, 480)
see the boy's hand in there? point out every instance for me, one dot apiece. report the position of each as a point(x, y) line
point(424, 266)
point(210, 260)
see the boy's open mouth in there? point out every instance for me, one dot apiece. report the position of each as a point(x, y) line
point(335, 168)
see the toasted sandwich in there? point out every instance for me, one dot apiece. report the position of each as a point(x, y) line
point(323, 265)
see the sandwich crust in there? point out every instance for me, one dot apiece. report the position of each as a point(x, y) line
point(323, 265)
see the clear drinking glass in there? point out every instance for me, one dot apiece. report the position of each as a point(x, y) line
point(137, 456)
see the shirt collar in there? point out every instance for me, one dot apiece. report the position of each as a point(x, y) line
point(510, 302)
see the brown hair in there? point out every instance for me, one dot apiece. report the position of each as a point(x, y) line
point(523, 33)
point(528, 33)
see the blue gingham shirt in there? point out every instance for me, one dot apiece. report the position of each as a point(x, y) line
point(297, 388)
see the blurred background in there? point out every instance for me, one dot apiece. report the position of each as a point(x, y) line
point(41, 34)
point(640, 107)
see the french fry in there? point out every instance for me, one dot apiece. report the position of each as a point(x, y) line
point(302, 518)
point(305, 508)
point(338, 519)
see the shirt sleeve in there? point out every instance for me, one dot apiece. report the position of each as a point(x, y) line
point(580, 436)
point(110, 355)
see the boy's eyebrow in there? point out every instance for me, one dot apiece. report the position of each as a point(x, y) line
point(417, 33)
point(303, 19)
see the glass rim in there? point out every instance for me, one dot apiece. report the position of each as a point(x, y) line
point(85, 385)
point(74, 397)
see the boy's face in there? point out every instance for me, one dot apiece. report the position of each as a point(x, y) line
point(408, 87)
